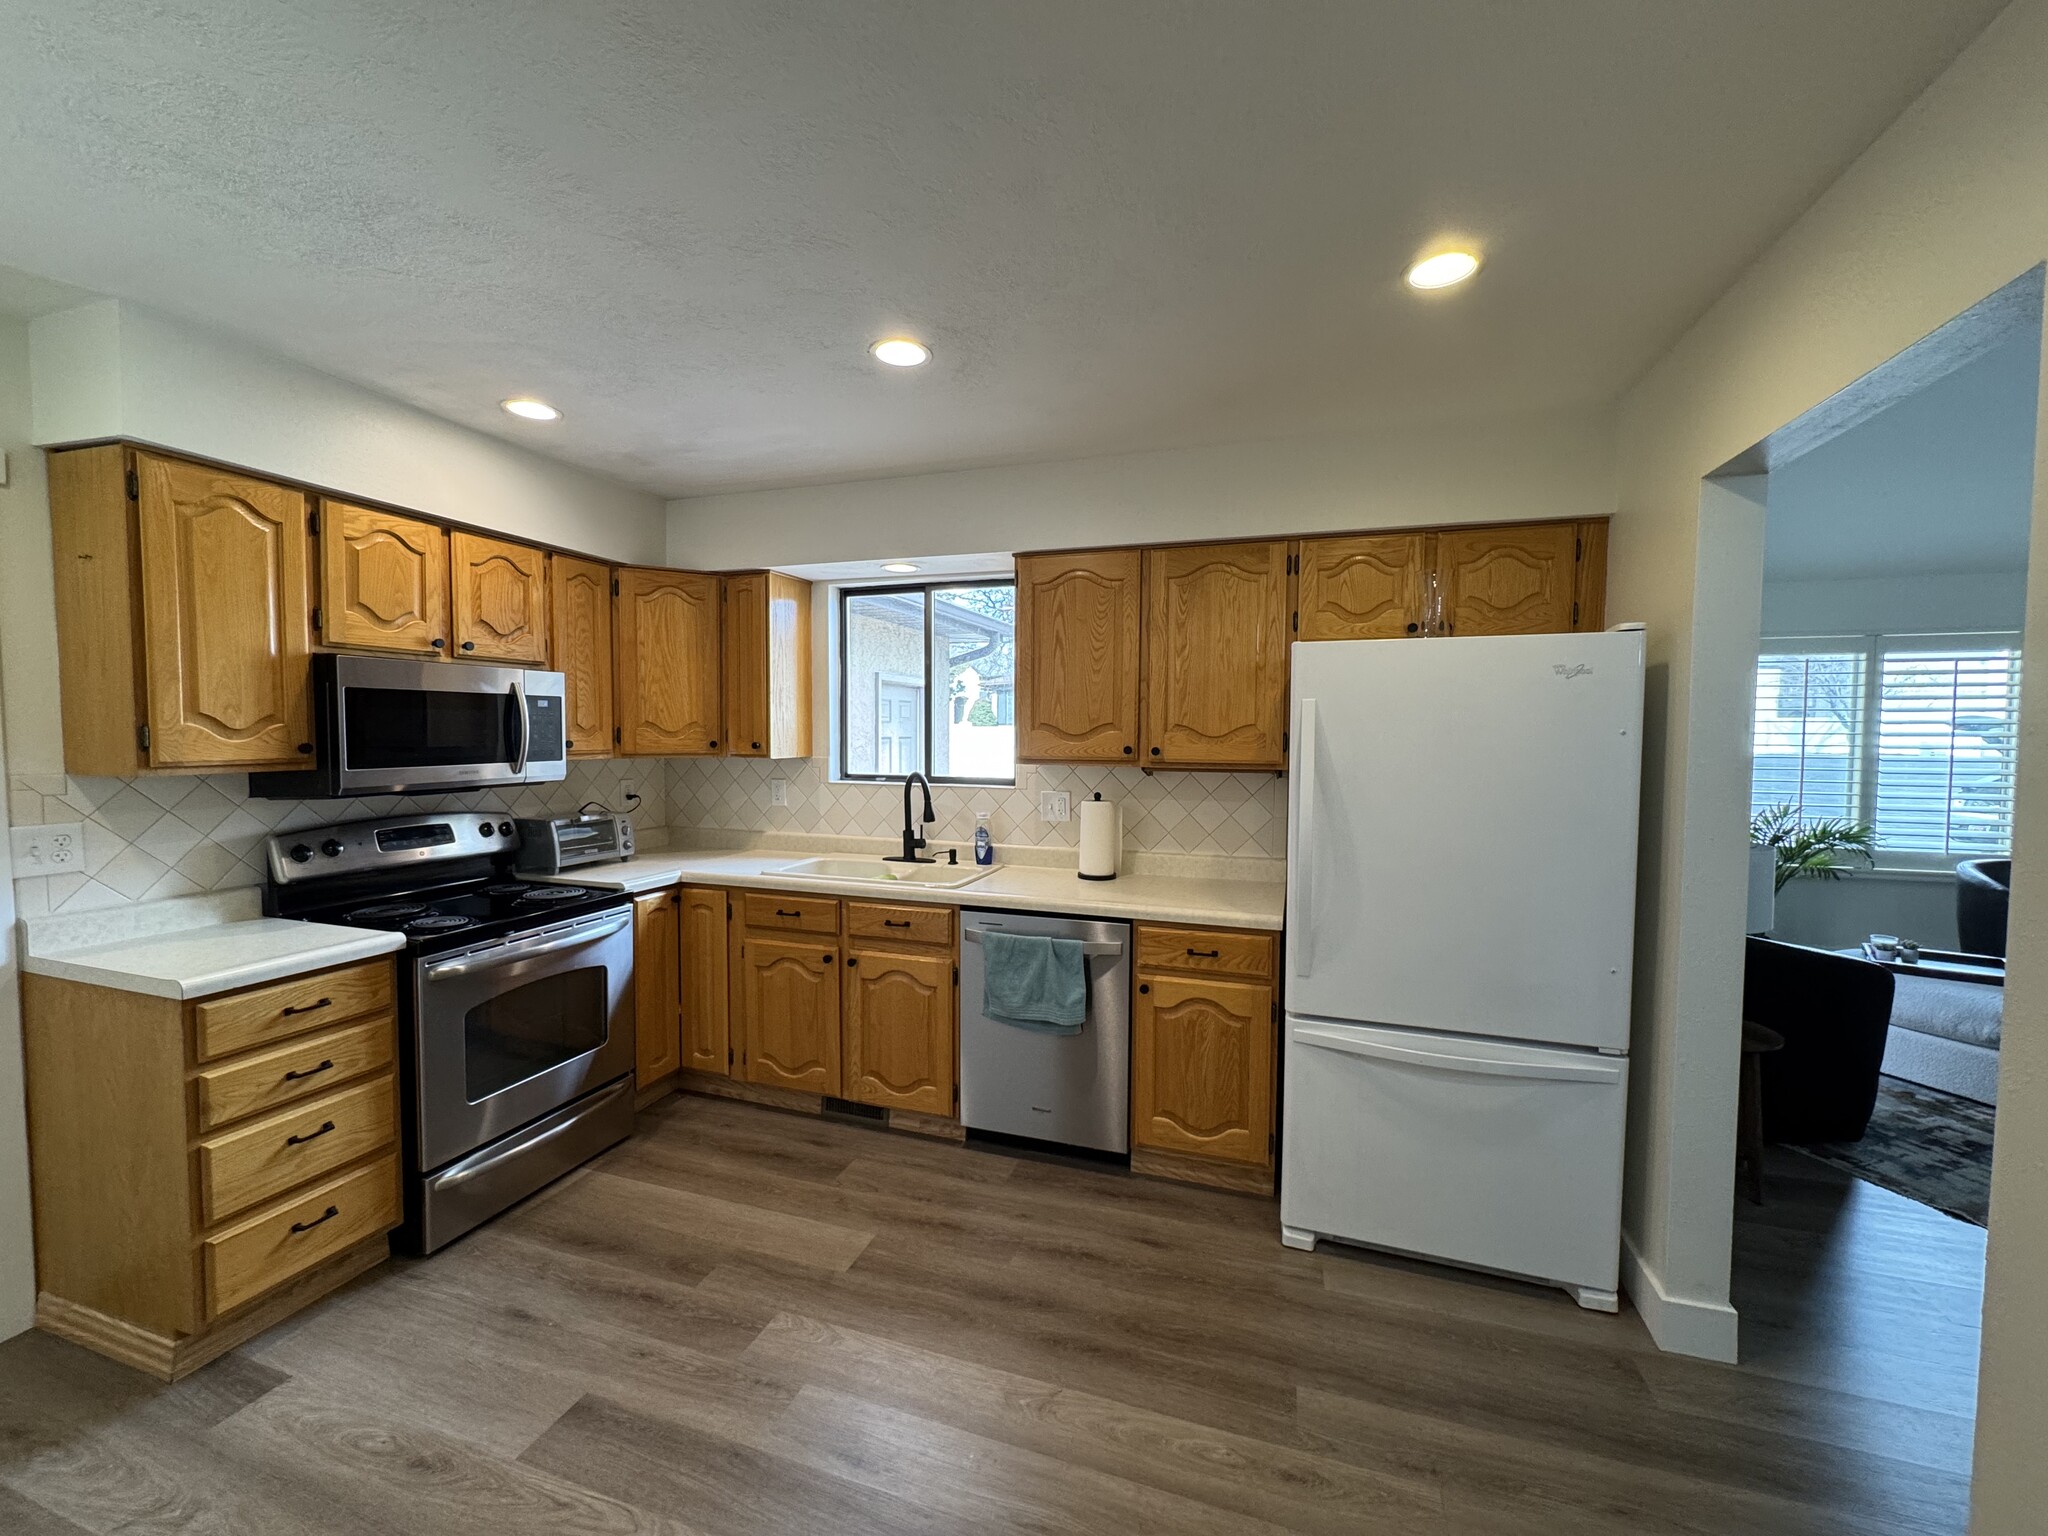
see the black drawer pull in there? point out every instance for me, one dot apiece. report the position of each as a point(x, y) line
point(785, 912)
point(324, 1002)
point(300, 1141)
point(293, 1077)
point(891, 922)
point(306, 1226)
point(1205, 954)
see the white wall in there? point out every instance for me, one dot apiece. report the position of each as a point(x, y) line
point(21, 499)
point(1942, 211)
point(1551, 466)
point(1897, 605)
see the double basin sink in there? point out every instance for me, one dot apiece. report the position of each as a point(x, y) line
point(944, 877)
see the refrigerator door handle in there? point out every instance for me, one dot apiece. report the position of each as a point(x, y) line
point(1305, 839)
point(1444, 1061)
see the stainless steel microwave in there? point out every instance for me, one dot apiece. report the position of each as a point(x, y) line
point(387, 726)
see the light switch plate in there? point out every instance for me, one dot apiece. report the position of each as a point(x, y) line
point(55, 849)
point(1053, 805)
point(778, 791)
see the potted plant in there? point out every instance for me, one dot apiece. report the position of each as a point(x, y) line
point(1821, 849)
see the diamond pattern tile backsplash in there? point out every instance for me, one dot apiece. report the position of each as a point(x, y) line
point(1216, 814)
point(178, 835)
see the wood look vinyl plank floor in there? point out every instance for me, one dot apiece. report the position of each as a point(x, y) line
point(746, 1322)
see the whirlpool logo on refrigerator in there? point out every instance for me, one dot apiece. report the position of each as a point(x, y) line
point(1575, 669)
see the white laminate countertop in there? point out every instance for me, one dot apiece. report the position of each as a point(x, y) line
point(1017, 887)
point(191, 947)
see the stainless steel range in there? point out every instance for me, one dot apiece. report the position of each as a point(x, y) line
point(516, 1004)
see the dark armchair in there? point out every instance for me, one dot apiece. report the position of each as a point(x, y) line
point(1983, 890)
point(1833, 1013)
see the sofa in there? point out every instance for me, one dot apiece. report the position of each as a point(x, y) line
point(1833, 1013)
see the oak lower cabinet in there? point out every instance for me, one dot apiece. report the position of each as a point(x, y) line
point(788, 990)
point(203, 1169)
point(580, 616)
point(498, 600)
point(183, 614)
point(767, 644)
point(1215, 646)
point(383, 581)
point(902, 1014)
point(1203, 1028)
point(657, 987)
point(669, 688)
point(1078, 627)
point(706, 946)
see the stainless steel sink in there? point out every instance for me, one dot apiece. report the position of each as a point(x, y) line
point(945, 877)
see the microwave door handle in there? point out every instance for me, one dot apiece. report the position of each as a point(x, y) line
point(525, 950)
point(524, 718)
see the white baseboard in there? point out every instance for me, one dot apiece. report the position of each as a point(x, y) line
point(1679, 1326)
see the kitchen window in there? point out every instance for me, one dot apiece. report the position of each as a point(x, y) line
point(1914, 735)
point(927, 682)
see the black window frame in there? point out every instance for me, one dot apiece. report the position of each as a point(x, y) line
point(925, 589)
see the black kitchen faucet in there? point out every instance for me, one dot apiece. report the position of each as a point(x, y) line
point(912, 838)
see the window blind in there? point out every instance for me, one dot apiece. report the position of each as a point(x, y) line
point(1947, 722)
point(1809, 732)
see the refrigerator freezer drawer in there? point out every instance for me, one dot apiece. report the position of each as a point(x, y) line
point(1496, 1155)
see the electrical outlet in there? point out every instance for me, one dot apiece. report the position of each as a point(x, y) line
point(629, 791)
point(778, 791)
point(1053, 805)
point(49, 850)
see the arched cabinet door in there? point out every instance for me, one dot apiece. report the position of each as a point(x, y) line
point(899, 1030)
point(666, 633)
point(790, 995)
point(580, 610)
point(1216, 632)
point(1077, 656)
point(500, 600)
point(1508, 580)
point(383, 581)
point(225, 610)
point(1364, 587)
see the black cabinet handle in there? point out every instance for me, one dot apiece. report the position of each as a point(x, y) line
point(786, 912)
point(1412, 628)
point(756, 746)
point(1127, 751)
point(568, 746)
point(891, 922)
point(714, 743)
point(1144, 986)
point(1206, 954)
point(305, 749)
point(300, 1141)
point(293, 1077)
point(850, 959)
point(438, 644)
point(469, 645)
point(306, 1226)
point(825, 959)
point(309, 1008)
point(1155, 751)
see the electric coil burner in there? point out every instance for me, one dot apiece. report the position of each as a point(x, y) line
point(516, 1006)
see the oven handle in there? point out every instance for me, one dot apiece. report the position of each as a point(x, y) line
point(526, 949)
point(485, 1165)
point(525, 725)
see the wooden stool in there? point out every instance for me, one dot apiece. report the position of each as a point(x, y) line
point(1749, 1119)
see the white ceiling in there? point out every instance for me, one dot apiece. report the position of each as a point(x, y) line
point(1136, 224)
point(1940, 482)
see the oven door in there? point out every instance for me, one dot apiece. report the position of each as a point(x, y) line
point(515, 1028)
point(399, 727)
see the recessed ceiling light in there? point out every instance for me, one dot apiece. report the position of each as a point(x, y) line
point(530, 409)
point(900, 568)
point(901, 352)
point(1443, 270)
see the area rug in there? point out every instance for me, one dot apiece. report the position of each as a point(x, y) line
point(1927, 1145)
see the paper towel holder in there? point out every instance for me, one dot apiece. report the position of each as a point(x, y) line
point(1116, 851)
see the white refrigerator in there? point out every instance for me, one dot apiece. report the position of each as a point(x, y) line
point(1461, 876)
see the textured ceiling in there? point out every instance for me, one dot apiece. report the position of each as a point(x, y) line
point(1121, 225)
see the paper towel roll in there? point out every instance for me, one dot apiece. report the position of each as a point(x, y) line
point(1102, 837)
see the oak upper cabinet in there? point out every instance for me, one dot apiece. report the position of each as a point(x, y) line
point(789, 1002)
point(183, 608)
point(666, 638)
point(383, 581)
point(1216, 634)
point(1202, 1034)
point(707, 1043)
point(657, 985)
point(1077, 656)
point(767, 665)
point(1363, 586)
point(1507, 581)
point(499, 600)
point(901, 1015)
point(580, 613)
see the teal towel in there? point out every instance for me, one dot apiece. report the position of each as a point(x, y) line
point(1034, 981)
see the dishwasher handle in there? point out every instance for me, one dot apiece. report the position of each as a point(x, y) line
point(1090, 949)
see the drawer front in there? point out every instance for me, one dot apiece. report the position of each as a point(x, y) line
point(873, 923)
point(244, 1019)
point(250, 1085)
point(241, 1168)
point(791, 914)
point(285, 1240)
point(1206, 952)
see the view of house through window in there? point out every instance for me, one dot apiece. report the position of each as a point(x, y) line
point(1912, 734)
point(927, 682)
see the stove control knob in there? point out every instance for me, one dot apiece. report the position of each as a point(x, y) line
point(332, 847)
point(299, 853)
point(485, 829)
point(505, 828)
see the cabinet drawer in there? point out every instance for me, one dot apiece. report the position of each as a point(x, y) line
point(1206, 952)
point(273, 1245)
point(792, 914)
point(249, 1085)
point(873, 923)
point(244, 1019)
point(241, 1168)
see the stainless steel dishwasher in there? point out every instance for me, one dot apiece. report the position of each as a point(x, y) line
point(1019, 1081)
